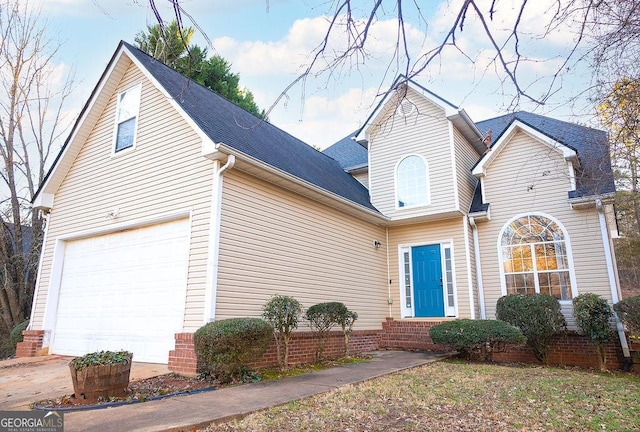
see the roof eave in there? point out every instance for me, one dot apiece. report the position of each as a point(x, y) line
point(589, 201)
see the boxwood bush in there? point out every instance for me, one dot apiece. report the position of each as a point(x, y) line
point(628, 311)
point(476, 337)
point(225, 347)
point(537, 315)
point(593, 317)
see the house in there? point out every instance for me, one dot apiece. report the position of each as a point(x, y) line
point(169, 207)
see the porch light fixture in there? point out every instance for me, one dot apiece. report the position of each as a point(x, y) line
point(377, 244)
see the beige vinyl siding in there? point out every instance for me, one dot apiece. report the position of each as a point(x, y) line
point(164, 174)
point(425, 133)
point(363, 178)
point(529, 177)
point(273, 241)
point(466, 157)
point(450, 230)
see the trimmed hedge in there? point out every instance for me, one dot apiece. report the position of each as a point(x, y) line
point(323, 316)
point(628, 311)
point(537, 315)
point(593, 317)
point(225, 347)
point(282, 312)
point(476, 337)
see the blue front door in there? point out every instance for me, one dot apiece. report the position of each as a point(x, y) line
point(427, 281)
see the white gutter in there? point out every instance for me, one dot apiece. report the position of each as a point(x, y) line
point(39, 275)
point(476, 250)
point(606, 242)
point(214, 238)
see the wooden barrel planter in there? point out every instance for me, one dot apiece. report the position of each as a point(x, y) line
point(94, 381)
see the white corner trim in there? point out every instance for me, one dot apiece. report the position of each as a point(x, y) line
point(467, 253)
point(572, 175)
point(606, 243)
point(454, 170)
point(39, 275)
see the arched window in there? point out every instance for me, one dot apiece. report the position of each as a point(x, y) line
point(411, 182)
point(534, 257)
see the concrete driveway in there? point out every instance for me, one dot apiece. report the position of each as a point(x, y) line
point(27, 380)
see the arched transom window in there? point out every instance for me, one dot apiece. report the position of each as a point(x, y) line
point(534, 257)
point(412, 188)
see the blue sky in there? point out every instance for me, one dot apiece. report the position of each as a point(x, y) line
point(268, 49)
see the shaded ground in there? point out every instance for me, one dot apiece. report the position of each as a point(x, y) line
point(457, 396)
point(168, 384)
point(139, 391)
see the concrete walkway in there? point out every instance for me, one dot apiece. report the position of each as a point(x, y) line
point(187, 413)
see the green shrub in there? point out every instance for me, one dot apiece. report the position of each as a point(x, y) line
point(593, 318)
point(322, 317)
point(537, 315)
point(282, 313)
point(99, 358)
point(16, 333)
point(628, 311)
point(476, 337)
point(225, 347)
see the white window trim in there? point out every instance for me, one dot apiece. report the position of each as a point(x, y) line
point(449, 312)
point(567, 240)
point(116, 123)
point(395, 183)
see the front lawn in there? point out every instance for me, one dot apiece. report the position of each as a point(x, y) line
point(456, 396)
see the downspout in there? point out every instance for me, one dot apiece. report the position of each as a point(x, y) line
point(389, 299)
point(604, 230)
point(37, 289)
point(214, 238)
point(476, 252)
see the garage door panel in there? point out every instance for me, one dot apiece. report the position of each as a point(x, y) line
point(124, 291)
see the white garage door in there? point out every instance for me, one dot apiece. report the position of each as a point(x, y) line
point(124, 291)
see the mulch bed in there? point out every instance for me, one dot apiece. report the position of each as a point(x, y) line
point(139, 391)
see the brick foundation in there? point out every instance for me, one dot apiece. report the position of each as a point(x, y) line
point(408, 335)
point(570, 349)
point(183, 359)
point(302, 347)
point(31, 343)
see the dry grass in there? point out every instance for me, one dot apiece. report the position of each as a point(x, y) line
point(456, 396)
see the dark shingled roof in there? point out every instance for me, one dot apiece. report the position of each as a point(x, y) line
point(225, 122)
point(476, 203)
point(594, 176)
point(348, 152)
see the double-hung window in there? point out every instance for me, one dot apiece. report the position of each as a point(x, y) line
point(127, 118)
